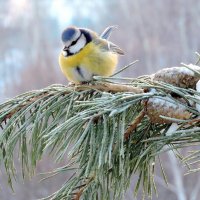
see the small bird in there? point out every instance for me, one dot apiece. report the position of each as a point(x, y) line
point(86, 54)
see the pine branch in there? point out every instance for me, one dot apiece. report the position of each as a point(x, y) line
point(107, 87)
point(109, 131)
point(134, 124)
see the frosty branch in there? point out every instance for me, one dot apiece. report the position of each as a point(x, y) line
point(111, 130)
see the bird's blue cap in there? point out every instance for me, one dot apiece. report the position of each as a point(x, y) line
point(68, 34)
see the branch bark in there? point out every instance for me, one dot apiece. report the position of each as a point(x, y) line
point(134, 124)
point(110, 87)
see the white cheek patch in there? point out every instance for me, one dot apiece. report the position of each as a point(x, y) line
point(79, 45)
point(77, 35)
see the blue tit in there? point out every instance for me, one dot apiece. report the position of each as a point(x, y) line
point(86, 54)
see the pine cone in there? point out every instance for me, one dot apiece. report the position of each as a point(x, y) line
point(165, 107)
point(178, 76)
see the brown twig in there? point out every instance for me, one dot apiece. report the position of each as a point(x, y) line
point(193, 121)
point(110, 87)
point(80, 192)
point(134, 124)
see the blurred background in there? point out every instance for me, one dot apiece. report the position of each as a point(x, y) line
point(157, 33)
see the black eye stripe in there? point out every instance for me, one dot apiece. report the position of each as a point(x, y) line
point(69, 53)
point(86, 34)
point(74, 42)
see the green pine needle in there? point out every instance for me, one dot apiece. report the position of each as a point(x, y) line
point(87, 127)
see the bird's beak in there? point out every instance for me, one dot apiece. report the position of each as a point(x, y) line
point(65, 48)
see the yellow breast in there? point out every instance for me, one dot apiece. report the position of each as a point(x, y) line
point(91, 60)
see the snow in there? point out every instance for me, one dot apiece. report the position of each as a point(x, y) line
point(172, 129)
point(167, 102)
point(152, 91)
point(198, 106)
point(198, 86)
point(198, 96)
point(185, 70)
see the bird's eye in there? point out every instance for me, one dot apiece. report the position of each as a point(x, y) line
point(73, 43)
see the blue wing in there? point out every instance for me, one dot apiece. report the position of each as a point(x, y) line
point(107, 32)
